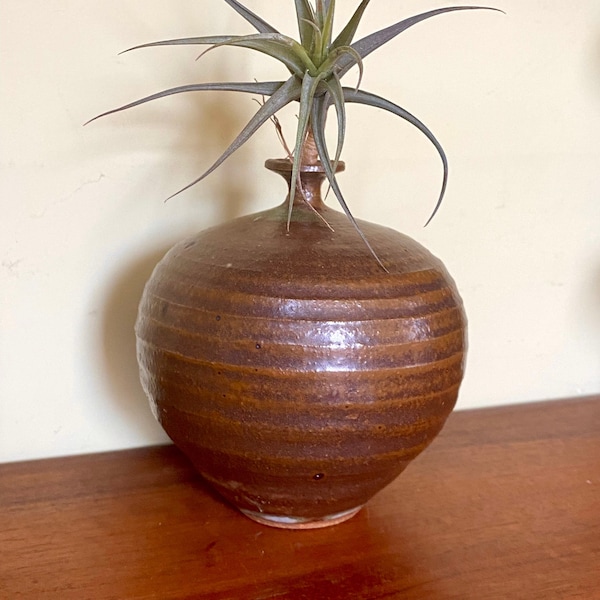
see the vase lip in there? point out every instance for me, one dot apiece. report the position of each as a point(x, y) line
point(284, 165)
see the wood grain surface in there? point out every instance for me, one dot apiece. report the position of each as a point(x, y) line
point(505, 504)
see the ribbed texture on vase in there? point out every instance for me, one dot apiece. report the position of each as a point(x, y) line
point(297, 375)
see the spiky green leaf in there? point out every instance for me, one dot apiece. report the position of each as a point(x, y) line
point(327, 31)
point(319, 113)
point(257, 22)
point(322, 8)
point(287, 93)
point(372, 42)
point(336, 93)
point(267, 88)
point(281, 47)
point(306, 23)
point(347, 34)
point(189, 41)
point(362, 97)
point(337, 56)
point(307, 95)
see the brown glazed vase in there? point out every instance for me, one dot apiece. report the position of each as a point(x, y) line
point(297, 375)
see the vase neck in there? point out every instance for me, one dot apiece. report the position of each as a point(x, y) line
point(311, 175)
point(308, 189)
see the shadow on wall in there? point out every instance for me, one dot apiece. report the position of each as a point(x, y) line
point(211, 124)
point(118, 345)
point(207, 129)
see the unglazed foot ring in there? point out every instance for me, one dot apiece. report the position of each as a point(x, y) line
point(283, 522)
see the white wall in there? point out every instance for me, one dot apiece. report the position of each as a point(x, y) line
point(515, 100)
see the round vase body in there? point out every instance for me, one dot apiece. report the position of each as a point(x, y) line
point(298, 376)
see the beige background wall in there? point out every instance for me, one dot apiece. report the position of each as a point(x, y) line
point(514, 99)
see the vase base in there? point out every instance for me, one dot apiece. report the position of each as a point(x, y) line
point(283, 522)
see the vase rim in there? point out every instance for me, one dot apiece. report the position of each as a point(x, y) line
point(284, 165)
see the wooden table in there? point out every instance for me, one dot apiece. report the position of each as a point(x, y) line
point(504, 505)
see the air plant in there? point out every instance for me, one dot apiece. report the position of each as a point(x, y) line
point(316, 64)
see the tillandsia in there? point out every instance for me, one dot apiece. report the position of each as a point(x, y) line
point(316, 65)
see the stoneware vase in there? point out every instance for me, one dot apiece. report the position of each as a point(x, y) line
point(297, 375)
